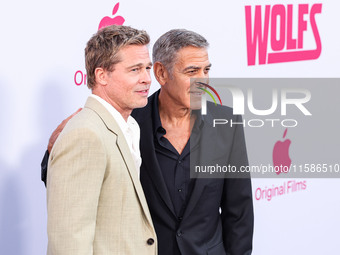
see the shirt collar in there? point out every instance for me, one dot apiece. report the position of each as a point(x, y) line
point(157, 124)
point(124, 125)
point(199, 122)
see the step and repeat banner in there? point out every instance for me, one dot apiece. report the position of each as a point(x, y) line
point(282, 56)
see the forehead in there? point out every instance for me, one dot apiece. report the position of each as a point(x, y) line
point(192, 56)
point(134, 53)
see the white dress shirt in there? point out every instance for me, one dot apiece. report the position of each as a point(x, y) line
point(130, 129)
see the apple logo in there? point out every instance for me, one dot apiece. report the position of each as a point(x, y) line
point(107, 21)
point(281, 159)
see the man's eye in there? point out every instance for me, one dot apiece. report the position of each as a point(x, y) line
point(135, 69)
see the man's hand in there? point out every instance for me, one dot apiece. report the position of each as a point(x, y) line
point(60, 128)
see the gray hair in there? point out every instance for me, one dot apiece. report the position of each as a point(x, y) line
point(167, 46)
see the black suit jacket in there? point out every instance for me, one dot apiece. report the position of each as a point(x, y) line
point(219, 215)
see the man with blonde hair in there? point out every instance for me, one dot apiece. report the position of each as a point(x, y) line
point(95, 200)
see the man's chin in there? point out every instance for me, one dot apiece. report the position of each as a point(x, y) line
point(195, 105)
point(141, 103)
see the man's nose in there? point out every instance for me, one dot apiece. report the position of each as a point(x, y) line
point(203, 77)
point(145, 76)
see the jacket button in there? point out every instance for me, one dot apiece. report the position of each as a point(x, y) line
point(179, 233)
point(150, 241)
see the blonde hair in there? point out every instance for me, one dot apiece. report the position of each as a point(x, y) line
point(103, 47)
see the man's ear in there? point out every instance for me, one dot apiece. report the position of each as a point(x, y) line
point(161, 73)
point(101, 76)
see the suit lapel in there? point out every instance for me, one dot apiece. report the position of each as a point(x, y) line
point(112, 125)
point(154, 171)
point(203, 151)
point(150, 164)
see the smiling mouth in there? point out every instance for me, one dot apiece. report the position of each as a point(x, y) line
point(143, 92)
point(198, 88)
point(201, 84)
point(196, 93)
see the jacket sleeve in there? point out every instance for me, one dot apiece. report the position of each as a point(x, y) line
point(76, 172)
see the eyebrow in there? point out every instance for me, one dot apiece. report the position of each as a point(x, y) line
point(195, 67)
point(139, 65)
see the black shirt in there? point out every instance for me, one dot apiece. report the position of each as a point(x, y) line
point(175, 167)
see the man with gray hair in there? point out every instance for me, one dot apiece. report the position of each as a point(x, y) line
point(191, 216)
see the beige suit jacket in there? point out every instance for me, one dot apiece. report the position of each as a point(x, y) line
point(95, 201)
